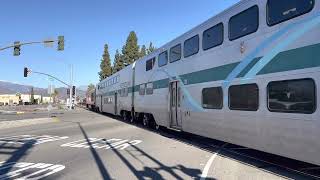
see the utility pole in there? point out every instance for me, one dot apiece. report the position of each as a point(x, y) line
point(71, 82)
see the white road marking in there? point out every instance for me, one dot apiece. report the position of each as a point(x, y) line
point(100, 143)
point(34, 171)
point(209, 162)
point(207, 167)
point(22, 139)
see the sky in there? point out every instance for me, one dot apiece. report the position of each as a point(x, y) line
point(86, 26)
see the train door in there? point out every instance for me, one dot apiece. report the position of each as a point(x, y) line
point(175, 105)
point(101, 104)
point(115, 104)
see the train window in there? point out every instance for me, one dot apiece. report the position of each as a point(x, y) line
point(212, 37)
point(175, 53)
point(244, 97)
point(150, 64)
point(280, 11)
point(149, 88)
point(212, 98)
point(142, 89)
point(292, 96)
point(124, 92)
point(163, 59)
point(191, 46)
point(244, 23)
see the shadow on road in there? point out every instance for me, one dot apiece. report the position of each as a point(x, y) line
point(154, 173)
point(17, 150)
point(280, 166)
point(103, 171)
point(146, 172)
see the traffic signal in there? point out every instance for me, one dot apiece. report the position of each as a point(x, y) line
point(68, 91)
point(73, 91)
point(26, 71)
point(16, 48)
point(60, 43)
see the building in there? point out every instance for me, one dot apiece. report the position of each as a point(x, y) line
point(9, 99)
point(14, 99)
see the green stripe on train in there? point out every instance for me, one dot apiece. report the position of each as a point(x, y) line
point(301, 58)
point(295, 59)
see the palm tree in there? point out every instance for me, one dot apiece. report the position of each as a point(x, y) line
point(55, 95)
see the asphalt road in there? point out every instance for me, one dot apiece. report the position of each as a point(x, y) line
point(85, 145)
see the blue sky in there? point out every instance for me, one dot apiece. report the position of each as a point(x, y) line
point(87, 25)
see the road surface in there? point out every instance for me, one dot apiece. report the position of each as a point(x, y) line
point(85, 145)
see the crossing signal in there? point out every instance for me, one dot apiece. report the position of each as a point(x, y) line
point(16, 48)
point(26, 71)
point(60, 43)
point(73, 91)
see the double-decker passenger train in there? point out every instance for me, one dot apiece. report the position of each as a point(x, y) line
point(247, 76)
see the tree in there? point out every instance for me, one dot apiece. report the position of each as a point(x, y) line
point(19, 96)
point(131, 49)
point(55, 95)
point(105, 65)
point(90, 87)
point(151, 48)
point(118, 62)
point(31, 96)
point(143, 51)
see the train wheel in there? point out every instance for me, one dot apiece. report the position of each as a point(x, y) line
point(122, 116)
point(131, 118)
point(145, 120)
point(156, 126)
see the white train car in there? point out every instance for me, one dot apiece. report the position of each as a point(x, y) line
point(112, 94)
point(247, 76)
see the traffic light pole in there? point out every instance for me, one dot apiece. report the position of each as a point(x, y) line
point(16, 46)
point(52, 77)
point(27, 43)
point(68, 85)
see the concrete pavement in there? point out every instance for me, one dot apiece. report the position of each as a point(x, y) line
point(85, 145)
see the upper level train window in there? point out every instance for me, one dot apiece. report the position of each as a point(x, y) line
point(150, 64)
point(212, 98)
point(212, 37)
point(279, 11)
point(292, 96)
point(244, 97)
point(175, 53)
point(163, 59)
point(244, 23)
point(191, 46)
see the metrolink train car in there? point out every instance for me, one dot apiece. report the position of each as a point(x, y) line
point(248, 76)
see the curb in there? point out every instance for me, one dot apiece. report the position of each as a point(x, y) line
point(12, 112)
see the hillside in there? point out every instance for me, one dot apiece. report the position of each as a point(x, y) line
point(12, 88)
